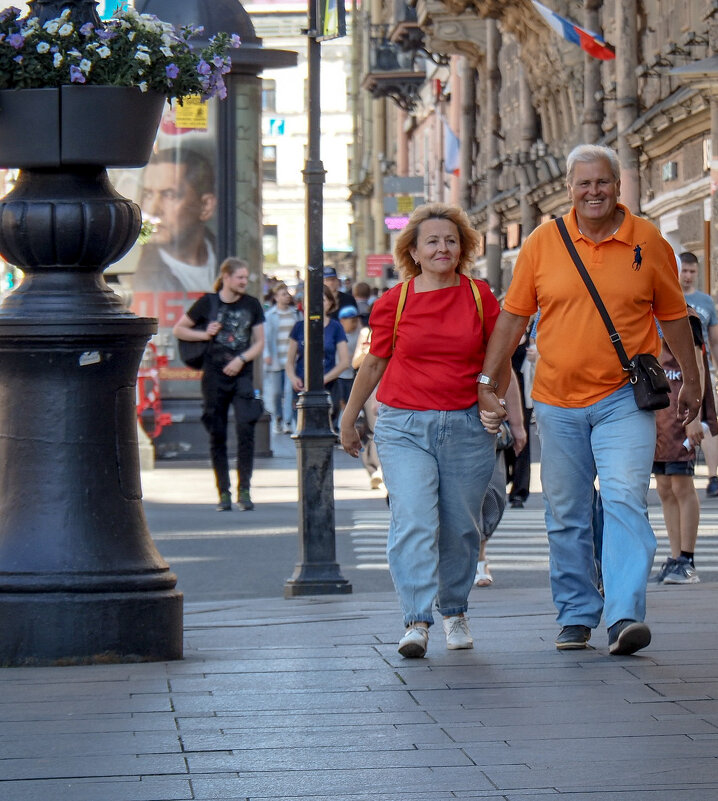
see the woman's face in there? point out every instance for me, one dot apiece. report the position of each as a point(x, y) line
point(327, 304)
point(283, 297)
point(438, 246)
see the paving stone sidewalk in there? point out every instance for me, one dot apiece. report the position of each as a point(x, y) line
point(308, 699)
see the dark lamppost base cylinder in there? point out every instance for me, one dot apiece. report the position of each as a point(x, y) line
point(317, 572)
point(80, 579)
point(90, 628)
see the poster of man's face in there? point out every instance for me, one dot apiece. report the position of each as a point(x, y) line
point(178, 199)
point(175, 262)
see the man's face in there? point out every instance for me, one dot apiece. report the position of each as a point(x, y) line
point(237, 281)
point(688, 276)
point(176, 208)
point(593, 191)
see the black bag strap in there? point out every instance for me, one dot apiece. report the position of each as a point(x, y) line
point(615, 336)
point(213, 306)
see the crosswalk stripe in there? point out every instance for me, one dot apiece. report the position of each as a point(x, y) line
point(520, 541)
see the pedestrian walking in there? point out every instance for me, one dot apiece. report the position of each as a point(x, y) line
point(705, 308)
point(279, 322)
point(336, 352)
point(367, 420)
point(512, 439)
point(436, 456)
point(674, 464)
point(588, 420)
point(236, 339)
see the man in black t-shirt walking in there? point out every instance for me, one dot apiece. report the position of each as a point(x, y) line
point(236, 338)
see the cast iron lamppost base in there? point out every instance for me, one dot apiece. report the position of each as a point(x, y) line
point(317, 572)
point(80, 578)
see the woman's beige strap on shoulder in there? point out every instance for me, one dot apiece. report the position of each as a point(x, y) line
point(399, 310)
point(477, 298)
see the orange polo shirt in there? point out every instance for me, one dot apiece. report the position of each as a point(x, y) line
point(578, 364)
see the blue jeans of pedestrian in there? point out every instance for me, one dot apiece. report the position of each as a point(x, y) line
point(437, 465)
point(280, 396)
point(615, 440)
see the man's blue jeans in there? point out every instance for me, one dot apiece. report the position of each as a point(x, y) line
point(437, 465)
point(279, 392)
point(616, 440)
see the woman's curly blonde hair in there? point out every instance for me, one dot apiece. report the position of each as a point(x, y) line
point(407, 239)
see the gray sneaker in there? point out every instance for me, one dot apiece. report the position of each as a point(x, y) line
point(681, 572)
point(458, 633)
point(413, 644)
point(663, 570)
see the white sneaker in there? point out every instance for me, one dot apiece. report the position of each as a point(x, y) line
point(287, 429)
point(458, 634)
point(413, 644)
point(483, 576)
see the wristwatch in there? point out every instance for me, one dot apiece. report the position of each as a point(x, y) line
point(487, 381)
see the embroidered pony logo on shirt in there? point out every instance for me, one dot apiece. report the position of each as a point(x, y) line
point(637, 258)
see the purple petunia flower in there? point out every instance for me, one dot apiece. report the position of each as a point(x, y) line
point(235, 40)
point(76, 75)
point(172, 71)
point(87, 29)
point(18, 59)
point(16, 40)
point(203, 67)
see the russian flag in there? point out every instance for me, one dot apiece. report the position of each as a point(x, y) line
point(591, 43)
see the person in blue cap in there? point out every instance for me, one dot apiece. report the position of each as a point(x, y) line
point(350, 321)
point(341, 299)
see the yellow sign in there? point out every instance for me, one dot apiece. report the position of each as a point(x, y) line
point(193, 114)
point(404, 204)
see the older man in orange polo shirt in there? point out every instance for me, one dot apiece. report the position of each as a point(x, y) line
point(588, 421)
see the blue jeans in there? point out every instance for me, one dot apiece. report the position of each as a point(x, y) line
point(280, 396)
point(437, 465)
point(615, 440)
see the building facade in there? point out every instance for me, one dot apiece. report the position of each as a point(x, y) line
point(284, 143)
point(517, 97)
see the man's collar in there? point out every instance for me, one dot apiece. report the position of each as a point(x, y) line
point(624, 233)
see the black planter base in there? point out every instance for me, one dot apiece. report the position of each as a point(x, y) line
point(89, 628)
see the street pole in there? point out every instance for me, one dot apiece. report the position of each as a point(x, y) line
point(317, 571)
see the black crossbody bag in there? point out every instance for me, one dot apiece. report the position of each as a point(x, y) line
point(192, 352)
point(649, 382)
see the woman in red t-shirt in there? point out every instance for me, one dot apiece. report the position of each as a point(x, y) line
point(436, 456)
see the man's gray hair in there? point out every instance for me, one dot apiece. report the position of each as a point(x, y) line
point(587, 154)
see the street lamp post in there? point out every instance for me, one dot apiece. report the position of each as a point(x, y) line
point(317, 572)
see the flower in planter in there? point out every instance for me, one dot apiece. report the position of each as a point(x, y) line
point(131, 49)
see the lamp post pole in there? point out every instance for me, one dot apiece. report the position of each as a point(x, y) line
point(317, 572)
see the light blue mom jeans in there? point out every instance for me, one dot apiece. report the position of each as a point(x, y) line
point(616, 440)
point(436, 465)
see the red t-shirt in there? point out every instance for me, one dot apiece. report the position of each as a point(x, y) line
point(440, 345)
